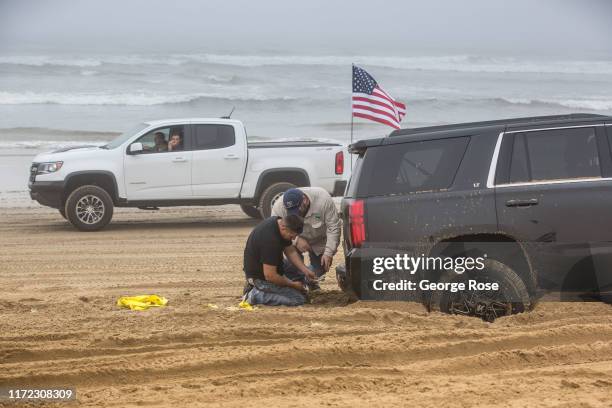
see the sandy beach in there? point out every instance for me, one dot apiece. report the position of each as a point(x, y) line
point(60, 327)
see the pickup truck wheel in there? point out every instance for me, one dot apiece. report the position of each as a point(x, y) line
point(89, 208)
point(512, 296)
point(62, 212)
point(270, 195)
point(251, 211)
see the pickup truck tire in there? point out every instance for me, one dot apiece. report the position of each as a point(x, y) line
point(512, 296)
point(270, 195)
point(89, 208)
point(251, 211)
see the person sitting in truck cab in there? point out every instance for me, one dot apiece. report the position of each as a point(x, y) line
point(175, 143)
point(160, 143)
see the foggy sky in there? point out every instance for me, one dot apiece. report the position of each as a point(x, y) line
point(569, 28)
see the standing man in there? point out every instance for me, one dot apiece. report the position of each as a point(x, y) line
point(321, 235)
point(267, 281)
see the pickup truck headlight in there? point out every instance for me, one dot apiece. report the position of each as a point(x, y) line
point(52, 167)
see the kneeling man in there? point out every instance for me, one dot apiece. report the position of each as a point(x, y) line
point(267, 283)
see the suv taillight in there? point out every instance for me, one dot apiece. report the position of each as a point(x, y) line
point(357, 222)
point(339, 163)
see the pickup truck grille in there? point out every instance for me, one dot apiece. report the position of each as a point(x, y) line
point(33, 171)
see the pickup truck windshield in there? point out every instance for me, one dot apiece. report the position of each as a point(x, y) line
point(118, 141)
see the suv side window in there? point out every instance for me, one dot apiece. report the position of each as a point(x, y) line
point(208, 137)
point(412, 167)
point(555, 155)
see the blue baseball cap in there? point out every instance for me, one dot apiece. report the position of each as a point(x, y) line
point(292, 200)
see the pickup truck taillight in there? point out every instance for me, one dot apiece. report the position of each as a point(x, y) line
point(339, 162)
point(357, 222)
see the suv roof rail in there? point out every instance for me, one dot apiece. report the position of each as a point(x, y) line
point(499, 122)
point(362, 145)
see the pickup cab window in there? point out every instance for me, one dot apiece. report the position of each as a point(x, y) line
point(163, 140)
point(207, 137)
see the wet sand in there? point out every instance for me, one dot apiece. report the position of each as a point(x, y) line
point(60, 327)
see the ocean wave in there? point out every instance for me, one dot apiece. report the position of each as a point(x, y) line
point(460, 63)
point(457, 63)
point(136, 99)
point(144, 99)
point(20, 132)
point(87, 61)
point(580, 104)
point(47, 144)
point(592, 104)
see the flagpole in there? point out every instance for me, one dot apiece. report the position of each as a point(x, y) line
point(352, 118)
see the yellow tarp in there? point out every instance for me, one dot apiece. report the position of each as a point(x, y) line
point(245, 306)
point(142, 302)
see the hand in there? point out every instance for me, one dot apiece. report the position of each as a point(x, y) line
point(326, 262)
point(310, 274)
point(297, 285)
point(302, 245)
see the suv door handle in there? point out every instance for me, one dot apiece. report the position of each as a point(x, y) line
point(230, 157)
point(179, 160)
point(522, 203)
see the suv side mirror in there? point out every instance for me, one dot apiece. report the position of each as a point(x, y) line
point(136, 148)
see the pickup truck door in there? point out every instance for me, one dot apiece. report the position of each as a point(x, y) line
point(219, 160)
point(156, 173)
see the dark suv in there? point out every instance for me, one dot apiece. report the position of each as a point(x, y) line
point(532, 196)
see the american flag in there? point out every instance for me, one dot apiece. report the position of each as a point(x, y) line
point(371, 102)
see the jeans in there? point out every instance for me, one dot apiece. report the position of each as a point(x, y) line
point(293, 273)
point(267, 293)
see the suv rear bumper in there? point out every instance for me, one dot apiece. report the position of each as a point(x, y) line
point(48, 193)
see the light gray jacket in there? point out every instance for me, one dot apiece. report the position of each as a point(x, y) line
point(322, 225)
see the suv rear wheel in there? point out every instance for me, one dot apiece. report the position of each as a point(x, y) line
point(89, 208)
point(270, 195)
point(512, 296)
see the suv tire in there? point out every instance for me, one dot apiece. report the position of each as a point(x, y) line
point(89, 208)
point(251, 211)
point(512, 296)
point(270, 195)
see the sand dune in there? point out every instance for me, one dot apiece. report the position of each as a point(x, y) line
point(60, 327)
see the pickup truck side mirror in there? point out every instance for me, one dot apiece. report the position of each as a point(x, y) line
point(136, 148)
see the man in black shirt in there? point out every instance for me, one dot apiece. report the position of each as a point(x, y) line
point(263, 263)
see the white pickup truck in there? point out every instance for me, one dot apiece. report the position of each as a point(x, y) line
point(181, 162)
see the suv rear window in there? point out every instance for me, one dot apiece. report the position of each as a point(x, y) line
point(554, 155)
point(411, 167)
